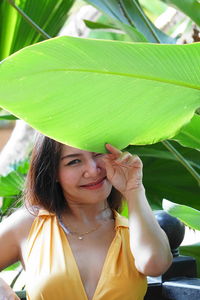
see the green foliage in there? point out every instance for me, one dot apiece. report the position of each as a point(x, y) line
point(131, 14)
point(16, 33)
point(188, 215)
point(10, 184)
point(189, 136)
point(126, 85)
point(119, 33)
point(11, 187)
point(8, 117)
point(98, 25)
point(13, 267)
point(165, 177)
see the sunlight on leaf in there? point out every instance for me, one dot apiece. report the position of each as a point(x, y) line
point(189, 216)
point(86, 92)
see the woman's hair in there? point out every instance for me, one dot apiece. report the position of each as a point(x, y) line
point(42, 189)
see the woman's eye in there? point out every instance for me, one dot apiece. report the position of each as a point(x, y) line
point(73, 162)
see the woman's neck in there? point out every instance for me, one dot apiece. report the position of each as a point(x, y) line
point(88, 214)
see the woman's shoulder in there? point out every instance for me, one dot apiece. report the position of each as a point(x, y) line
point(25, 217)
point(13, 231)
point(18, 224)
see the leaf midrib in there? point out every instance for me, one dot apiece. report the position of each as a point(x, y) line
point(173, 82)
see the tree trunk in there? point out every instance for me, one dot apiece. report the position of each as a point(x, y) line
point(17, 147)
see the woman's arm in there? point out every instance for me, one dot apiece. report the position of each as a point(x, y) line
point(149, 243)
point(6, 293)
point(9, 252)
point(13, 231)
point(9, 244)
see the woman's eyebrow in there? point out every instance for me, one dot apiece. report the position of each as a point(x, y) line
point(70, 155)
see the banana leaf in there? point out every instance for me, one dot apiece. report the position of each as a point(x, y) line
point(85, 92)
point(186, 214)
point(189, 135)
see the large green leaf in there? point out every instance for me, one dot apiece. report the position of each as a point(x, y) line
point(129, 12)
point(165, 177)
point(189, 7)
point(87, 92)
point(16, 33)
point(189, 135)
point(188, 215)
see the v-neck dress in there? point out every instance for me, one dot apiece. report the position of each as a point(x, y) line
point(52, 272)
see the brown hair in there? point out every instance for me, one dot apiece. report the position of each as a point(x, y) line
point(41, 187)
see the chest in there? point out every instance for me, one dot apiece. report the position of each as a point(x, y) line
point(90, 255)
point(67, 268)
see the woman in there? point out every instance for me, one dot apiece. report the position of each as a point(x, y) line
point(72, 241)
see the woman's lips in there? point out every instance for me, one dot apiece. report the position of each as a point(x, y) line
point(94, 185)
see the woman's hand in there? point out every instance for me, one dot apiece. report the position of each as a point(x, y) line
point(124, 170)
point(6, 293)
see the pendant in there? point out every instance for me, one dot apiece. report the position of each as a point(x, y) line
point(80, 237)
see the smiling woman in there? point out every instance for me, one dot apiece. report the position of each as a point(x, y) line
point(71, 239)
point(80, 173)
point(54, 167)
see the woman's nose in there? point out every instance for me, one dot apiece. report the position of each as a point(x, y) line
point(92, 168)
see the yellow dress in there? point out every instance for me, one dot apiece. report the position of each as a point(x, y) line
point(52, 272)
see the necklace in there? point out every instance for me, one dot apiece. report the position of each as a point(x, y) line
point(79, 235)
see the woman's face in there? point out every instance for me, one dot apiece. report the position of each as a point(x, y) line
point(82, 176)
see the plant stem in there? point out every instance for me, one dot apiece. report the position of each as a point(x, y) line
point(144, 17)
point(146, 20)
point(182, 160)
point(16, 277)
point(29, 20)
point(125, 14)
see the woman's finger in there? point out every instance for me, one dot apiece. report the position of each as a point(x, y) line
point(113, 150)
